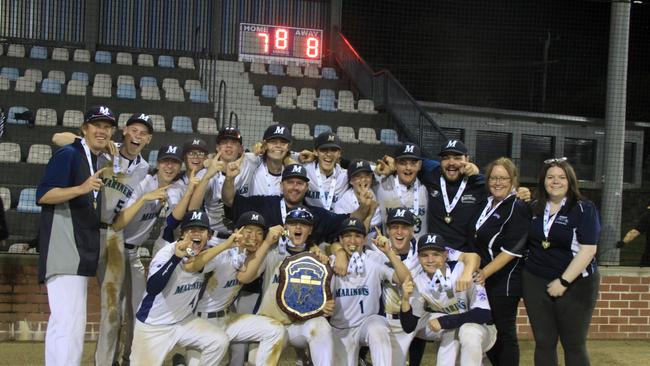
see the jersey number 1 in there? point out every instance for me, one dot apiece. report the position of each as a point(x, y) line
point(361, 305)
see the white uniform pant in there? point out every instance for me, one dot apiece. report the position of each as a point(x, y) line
point(110, 272)
point(244, 304)
point(373, 332)
point(152, 343)
point(315, 333)
point(249, 328)
point(133, 289)
point(399, 340)
point(472, 339)
point(66, 327)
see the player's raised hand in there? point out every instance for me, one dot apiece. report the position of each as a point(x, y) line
point(407, 288)
point(181, 247)
point(111, 148)
point(468, 169)
point(319, 254)
point(193, 181)
point(329, 307)
point(342, 261)
point(274, 234)
point(234, 168)
point(235, 239)
point(259, 148)
point(385, 166)
point(306, 156)
point(216, 165)
point(157, 194)
point(366, 198)
point(94, 182)
point(523, 193)
point(381, 242)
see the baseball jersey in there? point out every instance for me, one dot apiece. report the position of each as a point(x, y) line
point(325, 191)
point(357, 296)
point(442, 297)
point(348, 203)
point(179, 290)
point(265, 183)
point(391, 194)
point(177, 189)
point(214, 204)
point(119, 187)
point(138, 230)
point(269, 305)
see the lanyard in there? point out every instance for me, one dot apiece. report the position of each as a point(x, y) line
point(89, 160)
point(326, 199)
point(440, 282)
point(356, 264)
point(487, 211)
point(443, 187)
point(402, 190)
point(548, 219)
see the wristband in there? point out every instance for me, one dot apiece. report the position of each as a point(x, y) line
point(564, 282)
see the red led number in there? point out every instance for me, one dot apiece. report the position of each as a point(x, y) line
point(312, 47)
point(265, 39)
point(281, 39)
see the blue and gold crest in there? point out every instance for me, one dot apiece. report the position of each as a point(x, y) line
point(304, 286)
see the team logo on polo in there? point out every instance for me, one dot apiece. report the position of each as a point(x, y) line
point(409, 148)
point(196, 215)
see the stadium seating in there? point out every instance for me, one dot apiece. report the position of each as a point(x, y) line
point(125, 91)
point(290, 91)
point(60, 54)
point(366, 106)
point(150, 93)
point(318, 129)
point(81, 55)
point(300, 131)
point(76, 87)
point(329, 73)
point(186, 63)
point(10, 73)
point(39, 154)
point(269, 91)
point(165, 61)
point(158, 122)
point(124, 58)
point(5, 195)
point(174, 94)
point(45, 117)
point(326, 103)
point(207, 126)
point(311, 71)
point(57, 75)
point(284, 101)
point(25, 85)
point(182, 124)
point(199, 96)
point(16, 50)
point(4, 83)
point(308, 92)
point(145, 59)
point(27, 201)
point(72, 118)
point(346, 134)
point(80, 76)
point(34, 75)
point(389, 136)
point(305, 102)
point(9, 152)
point(38, 52)
point(148, 81)
point(125, 79)
point(122, 118)
point(294, 70)
point(258, 68)
point(13, 119)
point(50, 86)
point(368, 136)
point(153, 157)
point(103, 57)
point(275, 69)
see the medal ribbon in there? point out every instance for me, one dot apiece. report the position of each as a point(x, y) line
point(443, 187)
point(401, 192)
point(548, 219)
point(89, 159)
point(326, 200)
point(237, 258)
point(356, 264)
point(487, 211)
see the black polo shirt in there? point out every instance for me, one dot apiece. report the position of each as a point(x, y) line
point(643, 226)
point(456, 231)
point(575, 225)
point(505, 230)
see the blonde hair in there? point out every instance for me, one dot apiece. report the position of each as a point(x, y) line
point(509, 166)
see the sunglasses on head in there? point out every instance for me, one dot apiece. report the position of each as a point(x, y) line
point(555, 160)
point(301, 214)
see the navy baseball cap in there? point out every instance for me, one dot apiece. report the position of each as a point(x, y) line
point(195, 144)
point(143, 118)
point(170, 152)
point(300, 214)
point(327, 139)
point(432, 241)
point(195, 218)
point(251, 218)
point(408, 150)
point(294, 171)
point(100, 113)
point(357, 166)
point(400, 214)
point(279, 131)
point(353, 224)
point(229, 133)
point(453, 147)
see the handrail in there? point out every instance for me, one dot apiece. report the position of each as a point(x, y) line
point(221, 105)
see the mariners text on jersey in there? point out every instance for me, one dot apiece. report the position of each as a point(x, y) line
point(187, 287)
point(113, 183)
point(358, 291)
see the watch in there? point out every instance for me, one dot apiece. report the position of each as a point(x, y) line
point(564, 282)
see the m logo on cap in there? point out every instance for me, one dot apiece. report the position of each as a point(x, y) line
point(196, 215)
point(400, 213)
point(409, 148)
point(451, 143)
point(431, 239)
point(359, 164)
point(144, 117)
point(279, 130)
point(352, 223)
point(105, 111)
point(255, 217)
point(296, 169)
point(172, 149)
point(196, 142)
point(330, 138)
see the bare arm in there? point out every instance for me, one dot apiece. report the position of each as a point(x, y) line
point(198, 196)
point(56, 196)
point(471, 262)
point(64, 138)
point(125, 216)
point(493, 267)
point(578, 264)
point(254, 261)
point(401, 272)
point(199, 261)
point(228, 189)
point(181, 208)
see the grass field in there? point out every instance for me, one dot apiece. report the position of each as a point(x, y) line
point(603, 353)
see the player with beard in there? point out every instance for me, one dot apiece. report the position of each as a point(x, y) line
point(176, 276)
point(327, 180)
point(314, 333)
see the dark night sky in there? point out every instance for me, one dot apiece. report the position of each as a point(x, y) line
point(490, 53)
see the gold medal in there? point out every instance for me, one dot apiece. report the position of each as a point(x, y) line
point(546, 244)
point(95, 204)
point(448, 219)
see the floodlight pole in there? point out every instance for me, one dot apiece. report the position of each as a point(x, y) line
point(612, 195)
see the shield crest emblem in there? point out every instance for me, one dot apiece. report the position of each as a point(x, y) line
point(304, 286)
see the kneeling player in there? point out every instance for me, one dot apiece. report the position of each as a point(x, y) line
point(438, 310)
point(165, 317)
point(314, 333)
point(355, 321)
point(231, 270)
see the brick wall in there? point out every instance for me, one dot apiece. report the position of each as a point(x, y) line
point(622, 311)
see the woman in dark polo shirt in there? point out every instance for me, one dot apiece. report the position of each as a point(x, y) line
point(560, 278)
point(498, 233)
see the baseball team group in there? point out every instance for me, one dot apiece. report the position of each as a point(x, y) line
point(419, 251)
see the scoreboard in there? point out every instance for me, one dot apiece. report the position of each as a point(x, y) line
point(280, 45)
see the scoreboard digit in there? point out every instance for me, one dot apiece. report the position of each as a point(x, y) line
point(279, 44)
